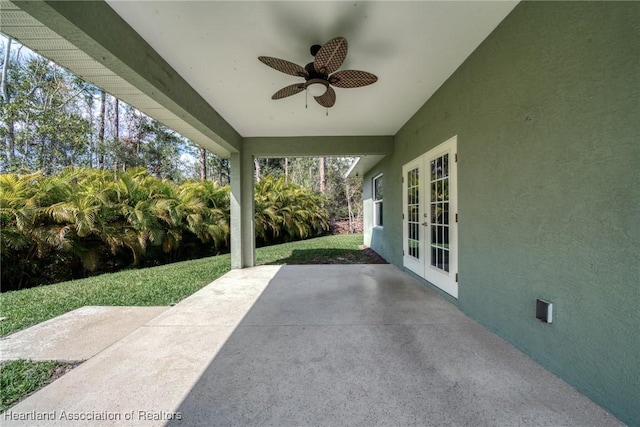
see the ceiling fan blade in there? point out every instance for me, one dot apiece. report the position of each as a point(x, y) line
point(284, 66)
point(328, 99)
point(352, 78)
point(331, 55)
point(288, 91)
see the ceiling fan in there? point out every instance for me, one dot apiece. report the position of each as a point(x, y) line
point(321, 74)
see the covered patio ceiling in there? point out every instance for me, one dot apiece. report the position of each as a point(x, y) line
point(413, 47)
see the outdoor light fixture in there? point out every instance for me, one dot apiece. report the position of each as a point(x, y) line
point(316, 87)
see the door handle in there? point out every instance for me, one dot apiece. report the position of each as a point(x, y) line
point(426, 224)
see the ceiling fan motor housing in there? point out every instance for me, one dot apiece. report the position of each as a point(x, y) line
point(313, 74)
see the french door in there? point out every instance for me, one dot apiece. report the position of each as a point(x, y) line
point(430, 227)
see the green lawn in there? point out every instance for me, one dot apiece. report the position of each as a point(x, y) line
point(161, 285)
point(19, 378)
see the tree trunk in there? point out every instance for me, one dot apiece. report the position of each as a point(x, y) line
point(258, 169)
point(286, 169)
point(203, 164)
point(103, 99)
point(42, 155)
point(323, 181)
point(349, 209)
point(116, 124)
point(92, 141)
point(9, 137)
point(225, 172)
point(116, 134)
point(4, 92)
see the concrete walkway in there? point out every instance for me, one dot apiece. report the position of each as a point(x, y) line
point(332, 345)
point(77, 335)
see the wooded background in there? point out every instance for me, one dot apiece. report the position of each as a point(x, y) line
point(89, 184)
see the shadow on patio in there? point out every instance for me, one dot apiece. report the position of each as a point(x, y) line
point(330, 256)
point(367, 345)
point(309, 345)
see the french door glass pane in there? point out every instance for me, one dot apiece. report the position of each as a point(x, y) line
point(413, 209)
point(439, 220)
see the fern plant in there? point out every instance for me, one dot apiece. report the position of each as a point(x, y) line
point(85, 221)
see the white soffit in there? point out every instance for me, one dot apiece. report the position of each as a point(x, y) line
point(33, 34)
point(363, 165)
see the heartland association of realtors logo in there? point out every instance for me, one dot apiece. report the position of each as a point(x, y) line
point(92, 416)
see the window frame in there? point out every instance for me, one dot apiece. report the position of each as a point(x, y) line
point(378, 206)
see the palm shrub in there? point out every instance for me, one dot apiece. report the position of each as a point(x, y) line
point(197, 217)
point(85, 221)
point(285, 212)
point(28, 232)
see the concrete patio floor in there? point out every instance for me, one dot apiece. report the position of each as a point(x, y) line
point(332, 345)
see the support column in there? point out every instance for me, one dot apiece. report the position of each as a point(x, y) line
point(242, 211)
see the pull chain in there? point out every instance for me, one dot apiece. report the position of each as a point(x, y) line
point(306, 101)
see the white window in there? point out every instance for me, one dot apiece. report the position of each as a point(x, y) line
point(377, 200)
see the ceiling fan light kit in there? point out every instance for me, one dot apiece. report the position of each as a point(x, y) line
point(316, 87)
point(321, 74)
